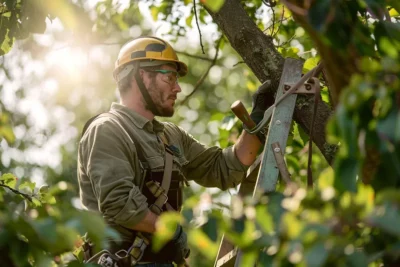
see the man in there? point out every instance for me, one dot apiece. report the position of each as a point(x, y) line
point(123, 153)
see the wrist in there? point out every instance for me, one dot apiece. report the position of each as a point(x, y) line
point(260, 134)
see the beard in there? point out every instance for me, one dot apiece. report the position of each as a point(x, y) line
point(157, 96)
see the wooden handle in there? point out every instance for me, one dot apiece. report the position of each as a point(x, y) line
point(240, 111)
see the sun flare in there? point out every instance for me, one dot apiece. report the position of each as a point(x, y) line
point(69, 60)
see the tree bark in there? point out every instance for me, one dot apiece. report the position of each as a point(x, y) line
point(259, 53)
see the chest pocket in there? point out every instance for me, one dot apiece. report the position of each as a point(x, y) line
point(179, 157)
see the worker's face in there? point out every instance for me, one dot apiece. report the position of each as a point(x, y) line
point(163, 89)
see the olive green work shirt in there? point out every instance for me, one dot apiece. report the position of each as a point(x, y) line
point(110, 174)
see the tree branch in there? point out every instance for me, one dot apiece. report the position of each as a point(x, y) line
point(203, 77)
point(259, 53)
point(198, 26)
point(194, 56)
point(28, 197)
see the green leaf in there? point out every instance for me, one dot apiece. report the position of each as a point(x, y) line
point(189, 20)
point(217, 116)
point(386, 217)
point(214, 5)
point(310, 64)
point(210, 228)
point(346, 173)
point(187, 213)
point(389, 127)
point(7, 44)
point(46, 230)
point(154, 12)
point(289, 51)
point(387, 47)
point(264, 219)
point(264, 260)
point(36, 202)
point(201, 241)
point(348, 131)
point(326, 179)
point(249, 258)
point(357, 259)
point(395, 4)
point(7, 131)
point(365, 196)
point(27, 184)
point(166, 227)
point(9, 179)
point(316, 255)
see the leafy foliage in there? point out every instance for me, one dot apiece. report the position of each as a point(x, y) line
point(36, 230)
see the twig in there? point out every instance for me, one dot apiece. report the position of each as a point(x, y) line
point(17, 192)
point(286, 42)
point(198, 26)
point(194, 56)
point(201, 80)
point(281, 20)
point(279, 26)
point(240, 62)
point(273, 21)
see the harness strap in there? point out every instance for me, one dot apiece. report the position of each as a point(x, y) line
point(168, 159)
point(143, 89)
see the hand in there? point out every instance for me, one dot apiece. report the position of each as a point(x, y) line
point(181, 248)
point(262, 100)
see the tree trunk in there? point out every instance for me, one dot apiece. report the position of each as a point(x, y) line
point(259, 53)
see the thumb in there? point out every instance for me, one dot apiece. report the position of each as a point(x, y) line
point(264, 86)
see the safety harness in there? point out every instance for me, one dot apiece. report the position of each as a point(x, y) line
point(162, 190)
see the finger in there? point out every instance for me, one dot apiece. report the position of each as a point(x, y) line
point(264, 86)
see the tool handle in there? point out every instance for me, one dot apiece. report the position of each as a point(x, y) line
point(240, 111)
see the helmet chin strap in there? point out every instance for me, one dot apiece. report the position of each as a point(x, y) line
point(143, 90)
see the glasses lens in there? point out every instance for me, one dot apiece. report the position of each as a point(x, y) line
point(170, 77)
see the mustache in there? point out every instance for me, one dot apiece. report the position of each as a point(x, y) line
point(174, 97)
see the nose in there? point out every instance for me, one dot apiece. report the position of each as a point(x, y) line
point(177, 88)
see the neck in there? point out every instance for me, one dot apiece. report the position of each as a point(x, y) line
point(137, 104)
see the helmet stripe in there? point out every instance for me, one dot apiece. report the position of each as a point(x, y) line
point(155, 47)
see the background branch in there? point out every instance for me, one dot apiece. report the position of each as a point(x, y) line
point(28, 197)
point(203, 77)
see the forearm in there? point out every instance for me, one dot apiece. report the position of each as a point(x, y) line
point(147, 224)
point(246, 148)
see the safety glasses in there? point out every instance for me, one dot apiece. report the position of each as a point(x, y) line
point(169, 76)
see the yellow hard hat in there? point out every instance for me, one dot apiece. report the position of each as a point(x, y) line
point(147, 49)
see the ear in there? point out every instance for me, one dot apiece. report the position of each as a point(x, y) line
point(144, 75)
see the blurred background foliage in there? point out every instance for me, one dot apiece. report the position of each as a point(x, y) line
point(56, 72)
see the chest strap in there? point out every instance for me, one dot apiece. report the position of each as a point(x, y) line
point(154, 187)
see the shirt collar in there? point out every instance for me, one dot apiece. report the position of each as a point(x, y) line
point(137, 119)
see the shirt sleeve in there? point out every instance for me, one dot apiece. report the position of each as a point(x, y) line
point(108, 154)
point(211, 166)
